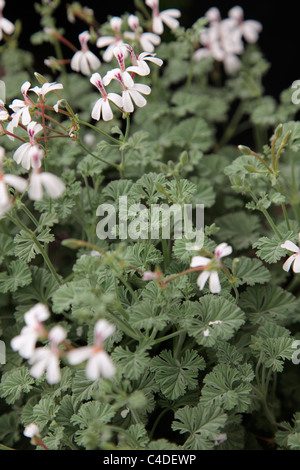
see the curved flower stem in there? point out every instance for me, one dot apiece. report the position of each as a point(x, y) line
point(267, 216)
point(96, 156)
point(183, 273)
point(107, 136)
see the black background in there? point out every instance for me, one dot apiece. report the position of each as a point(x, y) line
point(279, 40)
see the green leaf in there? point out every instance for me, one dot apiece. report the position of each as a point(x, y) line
point(14, 383)
point(44, 411)
point(132, 363)
point(192, 134)
point(175, 376)
point(19, 276)
point(251, 271)
point(26, 249)
point(6, 246)
point(202, 424)
point(213, 318)
point(268, 303)
point(240, 228)
point(91, 412)
point(225, 386)
point(9, 432)
point(269, 249)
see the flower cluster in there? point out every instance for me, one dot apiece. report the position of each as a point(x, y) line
point(223, 39)
point(132, 93)
point(46, 359)
point(31, 153)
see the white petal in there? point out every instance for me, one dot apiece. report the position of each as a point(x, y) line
point(35, 192)
point(75, 61)
point(92, 370)
point(296, 265)
point(223, 250)
point(16, 182)
point(199, 261)
point(93, 60)
point(52, 184)
point(116, 99)
point(107, 367)
point(127, 103)
point(202, 279)
point(77, 356)
point(157, 25)
point(107, 113)
point(36, 314)
point(288, 245)
point(53, 370)
point(139, 100)
point(104, 41)
point(96, 112)
point(287, 265)
point(214, 283)
point(7, 26)
point(168, 17)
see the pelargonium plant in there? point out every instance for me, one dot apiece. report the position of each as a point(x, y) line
point(119, 329)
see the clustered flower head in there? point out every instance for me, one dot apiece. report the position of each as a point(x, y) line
point(30, 153)
point(46, 359)
point(223, 39)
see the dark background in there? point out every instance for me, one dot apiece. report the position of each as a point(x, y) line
point(279, 40)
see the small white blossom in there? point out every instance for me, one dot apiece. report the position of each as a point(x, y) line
point(23, 155)
point(102, 106)
point(293, 260)
point(210, 264)
point(40, 181)
point(32, 430)
point(147, 40)
point(21, 109)
point(84, 61)
point(124, 413)
point(46, 359)
point(34, 329)
point(169, 17)
point(220, 439)
point(111, 41)
point(6, 26)
point(139, 64)
point(131, 92)
point(46, 88)
point(249, 29)
point(98, 361)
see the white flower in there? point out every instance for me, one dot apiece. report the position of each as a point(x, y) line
point(125, 412)
point(294, 259)
point(102, 106)
point(131, 92)
point(139, 64)
point(23, 155)
point(147, 40)
point(84, 61)
point(210, 272)
point(249, 29)
point(169, 17)
point(47, 359)
point(21, 109)
point(46, 88)
point(32, 430)
point(111, 41)
point(40, 181)
point(98, 361)
point(6, 26)
point(34, 329)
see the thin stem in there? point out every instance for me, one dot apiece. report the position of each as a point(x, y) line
point(267, 216)
point(96, 156)
point(107, 136)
